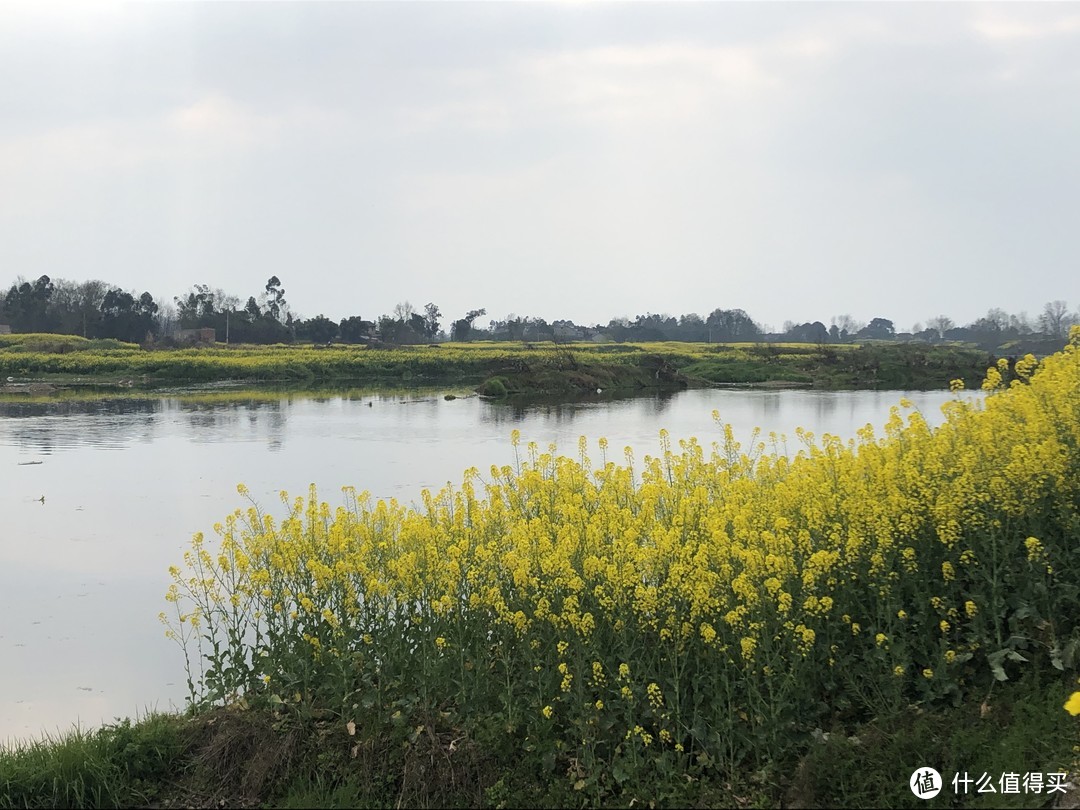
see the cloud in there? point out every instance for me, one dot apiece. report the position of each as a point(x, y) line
point(218, 119)
point(999, 27)
point(213, 126)
point(616, 84)
point(578, 145)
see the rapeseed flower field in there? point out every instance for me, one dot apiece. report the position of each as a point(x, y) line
point(705, 607)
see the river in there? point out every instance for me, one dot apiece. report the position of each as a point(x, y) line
point(100, 497)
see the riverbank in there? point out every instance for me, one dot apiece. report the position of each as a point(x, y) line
point(493, 369)
point(239, 757)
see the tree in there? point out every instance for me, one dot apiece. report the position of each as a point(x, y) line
point(319, 329)
point(26, 305)
point(391, 329)
point(1020, 324)
point(847, 326)
point(355, 329)
point(196, 308)
point(125, 317)
point(515, 327)
point(417, 324)
point(808, 333)
point(878, 329)
point(75, 308)
point(405, 326)
point(117, 311)
point(1055, 319)
point(731, 325)
point(940, 324)
point(647, 327)
point(691, 328)
point(431, 321)
point(275, 300)
point(463, 328)
point(999, 318)
point(166, 319)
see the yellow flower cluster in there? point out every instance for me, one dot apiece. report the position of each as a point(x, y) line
point(711, 572)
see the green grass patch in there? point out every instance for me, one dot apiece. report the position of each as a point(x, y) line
point(121, 765)
point(254, 758)
point(1020, 728)
point(522, 368)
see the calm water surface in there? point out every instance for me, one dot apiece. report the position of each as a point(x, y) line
point(126, 482)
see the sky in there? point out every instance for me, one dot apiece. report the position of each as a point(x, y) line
point(557, 160)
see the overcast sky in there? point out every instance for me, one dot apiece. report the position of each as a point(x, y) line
point(556, 160)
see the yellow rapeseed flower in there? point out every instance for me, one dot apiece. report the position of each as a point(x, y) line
point(1072, 705)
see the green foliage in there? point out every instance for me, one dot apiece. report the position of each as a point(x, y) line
point(534, 368)
point(1019, 729)
point(237, 758)
point(493, 388)
point(121, 765)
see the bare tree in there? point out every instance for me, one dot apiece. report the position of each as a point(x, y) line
point(847, 325)
point(1021, 323)
point(77, 305)
point(404, 311)
point(1055, 319)
point(998, 317)
point(167, 318)
point(940, 324)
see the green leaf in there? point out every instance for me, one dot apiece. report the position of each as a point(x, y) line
point(1055, 658)
point(995, 661)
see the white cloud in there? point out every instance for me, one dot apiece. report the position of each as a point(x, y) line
point(719, 142)
point(221, 120)
point(999, 27)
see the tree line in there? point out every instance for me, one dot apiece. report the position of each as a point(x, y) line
point(96, 309)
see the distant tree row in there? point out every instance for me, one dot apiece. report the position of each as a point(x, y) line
point(91, 308)
point(994, 329)
point(96, 309)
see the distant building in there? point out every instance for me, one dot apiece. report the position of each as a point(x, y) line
point(568, 332)
point(5, 329)
point(204, 335)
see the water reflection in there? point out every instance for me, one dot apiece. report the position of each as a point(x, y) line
point(83, 572)
point(516, 409)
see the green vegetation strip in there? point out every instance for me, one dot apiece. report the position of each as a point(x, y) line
point(497, 369)
point(246, 758)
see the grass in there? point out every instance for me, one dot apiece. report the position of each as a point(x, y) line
point(125, 764)
point(511, 367)
point(247, 758)
point(871, 365)
point(1018, 729)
